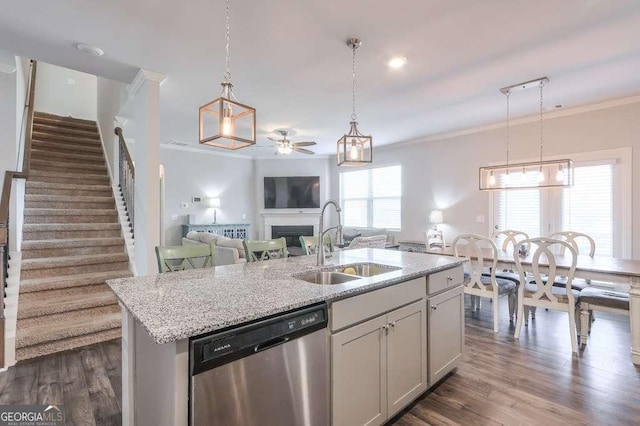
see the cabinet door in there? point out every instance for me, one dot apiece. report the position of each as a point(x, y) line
point(406, 355)
point(359, 374)
point(446, 332)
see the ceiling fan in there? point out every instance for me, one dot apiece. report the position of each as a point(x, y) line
point(286, 146)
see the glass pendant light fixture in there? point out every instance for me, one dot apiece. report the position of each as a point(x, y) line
point(534, 174)
point(225, 122)
point(354, 148)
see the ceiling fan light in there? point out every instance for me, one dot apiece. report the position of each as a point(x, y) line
point(284, 149)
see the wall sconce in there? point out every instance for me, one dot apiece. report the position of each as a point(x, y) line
point(214, 203)
point(436, 218)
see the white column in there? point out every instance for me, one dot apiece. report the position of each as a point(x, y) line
point(144, 94)
point(634, 313)
point(145, 90)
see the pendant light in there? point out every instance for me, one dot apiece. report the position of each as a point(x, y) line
point(225, 122)
point(533, 174)
point(354, 148)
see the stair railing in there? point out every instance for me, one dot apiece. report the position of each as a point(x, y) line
point(5, 197)
point(126, 174)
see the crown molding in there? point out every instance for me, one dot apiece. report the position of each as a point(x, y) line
point(524, 120)
point(142, 77)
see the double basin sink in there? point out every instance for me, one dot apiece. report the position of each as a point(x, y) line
point(346, 273)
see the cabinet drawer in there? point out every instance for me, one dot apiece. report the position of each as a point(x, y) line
point(368, 305)
point(443, 280)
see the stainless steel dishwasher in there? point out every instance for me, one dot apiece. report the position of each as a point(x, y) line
point(271, 372)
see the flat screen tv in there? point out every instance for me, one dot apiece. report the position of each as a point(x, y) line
point(292, 192)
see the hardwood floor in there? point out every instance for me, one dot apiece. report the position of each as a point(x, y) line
point(535, 380)
point(87, 381)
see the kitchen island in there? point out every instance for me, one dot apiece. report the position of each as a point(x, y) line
point(162, 313)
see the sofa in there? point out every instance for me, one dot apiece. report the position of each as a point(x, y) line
point(227, 250)
point(350, 232)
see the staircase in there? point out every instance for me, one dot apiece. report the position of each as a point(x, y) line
point(72, 242)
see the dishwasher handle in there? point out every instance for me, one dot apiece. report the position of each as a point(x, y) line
point(270, 344)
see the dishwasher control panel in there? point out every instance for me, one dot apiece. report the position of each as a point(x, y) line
point(222, 347)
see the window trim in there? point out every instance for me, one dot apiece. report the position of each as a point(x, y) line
point(622, 158)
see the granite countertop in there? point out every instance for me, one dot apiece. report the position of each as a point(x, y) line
point(178, 305)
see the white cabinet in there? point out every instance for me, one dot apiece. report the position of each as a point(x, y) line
point(379, 366)
point(446, 332)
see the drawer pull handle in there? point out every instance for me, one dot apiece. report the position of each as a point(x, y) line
point(449, 278)
point(434, 307)
point(392, 324)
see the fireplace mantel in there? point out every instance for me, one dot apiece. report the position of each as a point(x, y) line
point(270, 219)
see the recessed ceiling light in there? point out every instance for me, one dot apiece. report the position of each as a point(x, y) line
point(90, 50)
point(397, 62)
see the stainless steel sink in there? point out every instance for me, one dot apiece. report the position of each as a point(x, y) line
point(326, 277)
point(366, 269)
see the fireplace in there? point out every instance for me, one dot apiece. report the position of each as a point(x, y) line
point(292, 233)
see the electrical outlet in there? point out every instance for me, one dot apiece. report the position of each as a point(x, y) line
point(174, 217)
point(71, 81)
point(244, 216)
point(184, 205)
point(480, 218)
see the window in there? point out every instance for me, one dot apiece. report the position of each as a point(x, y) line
point(597, 204)
point(372, 197)
point(588, 206)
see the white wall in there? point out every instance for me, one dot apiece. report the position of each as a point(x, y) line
point(111, 96)
point(290, 167)
point(444, 173)
point(65, 92)
point(189, 174)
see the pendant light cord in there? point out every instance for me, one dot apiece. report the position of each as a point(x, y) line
point(227, 69)
point(541, 103)
point(508, 115)
point(354, 117)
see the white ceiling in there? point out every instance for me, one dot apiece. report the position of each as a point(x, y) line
point(289, 60)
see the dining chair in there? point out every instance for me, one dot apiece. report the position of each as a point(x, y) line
point(375, 241)
point(477, 285)
point(178, 258)
point(576, 240)
point(310, 244)
point(259, 250)
point(541, 292)
point(511, 241)
point(434, 239)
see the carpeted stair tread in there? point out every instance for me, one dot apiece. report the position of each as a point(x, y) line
point(67, 186)
point(69, 299)
point(67, 177)
point(68, 198)
point(71, 242)
point(67, 156)
point(81, 260)
point(44, 227)
point(64, 130)
point(68, 281)
point(68, 324)
point(32, 211)
point(67, 139)
point(39, 164)
point(39, 115)
point(35, 351)
point(58, 146)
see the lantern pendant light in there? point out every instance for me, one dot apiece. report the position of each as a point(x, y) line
point(225, 122)
point(354, 148)
point(533, 174)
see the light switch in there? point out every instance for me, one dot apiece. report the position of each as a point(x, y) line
point(480, 218)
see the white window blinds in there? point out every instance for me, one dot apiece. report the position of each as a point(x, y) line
point(372, 197)
point(588, 206)
point(519, 209)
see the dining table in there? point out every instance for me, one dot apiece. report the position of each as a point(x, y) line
point(595, 268)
